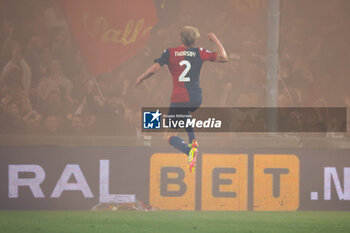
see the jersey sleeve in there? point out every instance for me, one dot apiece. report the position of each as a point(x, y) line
point(164, 58)
point(207, 55)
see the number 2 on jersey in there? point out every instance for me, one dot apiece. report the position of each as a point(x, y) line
point(182, 77)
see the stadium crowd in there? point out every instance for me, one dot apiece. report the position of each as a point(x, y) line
point(46, 88)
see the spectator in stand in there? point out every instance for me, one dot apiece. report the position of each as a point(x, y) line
point(81, 78)
point(52, 125)
point(7, 43)
point(56, 104)
point(45, 62)
point(131, 125)
point(83, 125)
point(12, 88)
point(55, 82)
point(78, 126)
point(96, 112)
point(11, 119)
point(33, 56)
point(54, 99)
point(17, 112)
point(17, 62)
point(226, 96)
point(63, 49)
point(307, 90)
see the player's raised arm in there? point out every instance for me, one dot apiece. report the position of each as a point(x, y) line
point(148, 73)
point(222, 56)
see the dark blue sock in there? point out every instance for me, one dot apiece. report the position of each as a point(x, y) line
point(179, 144)
point(190, 135)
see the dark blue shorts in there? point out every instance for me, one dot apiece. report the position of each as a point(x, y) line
point(183, 108)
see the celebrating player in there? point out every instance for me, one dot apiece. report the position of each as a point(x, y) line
point(184, 63)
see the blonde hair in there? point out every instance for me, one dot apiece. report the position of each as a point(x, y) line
point(189, 35)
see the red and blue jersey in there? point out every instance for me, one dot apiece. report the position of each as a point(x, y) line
point(185, 64)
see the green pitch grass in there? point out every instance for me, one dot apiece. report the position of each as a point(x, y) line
point(173, 221)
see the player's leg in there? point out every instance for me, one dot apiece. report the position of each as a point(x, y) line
point(190, 133)
point(190, 150)
point(179, 144)
point(175, 141)
point(192, 155)
point(193, 143)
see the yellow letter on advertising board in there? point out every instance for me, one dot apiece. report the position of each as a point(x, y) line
point(276, 182)
point(224, 182)
point(172, 186)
